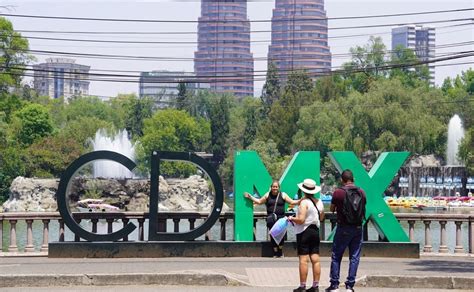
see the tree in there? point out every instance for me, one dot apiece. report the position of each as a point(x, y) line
point(88, 106)
point(82, 130)
point(271, 89)
point(9, 103)
point(219, 120)
point(14, 55)
point(366, 64)
point(172, 130)
point(12, 165)
point(50, 156)
point(331, 87)
point(409, 75)
point(281, 123)
point(136, 111)
point(250, 131)
point(182, 96)
point(34, 122)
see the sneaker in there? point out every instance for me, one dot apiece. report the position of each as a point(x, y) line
point(313, 289)
point(349, 289)
point(332, 289)
point(299, 289)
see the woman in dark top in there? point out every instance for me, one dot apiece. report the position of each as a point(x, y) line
point(274, 196)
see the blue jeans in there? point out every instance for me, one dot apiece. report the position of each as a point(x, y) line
point(346, 236)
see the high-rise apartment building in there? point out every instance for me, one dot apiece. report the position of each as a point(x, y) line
point(61, 77)
point(223, 54)
point(162, 86)
point(300, 37)
point(420, 39)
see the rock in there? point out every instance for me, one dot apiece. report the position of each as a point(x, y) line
point(190, 194)
point(424, 161)
point(32, 195)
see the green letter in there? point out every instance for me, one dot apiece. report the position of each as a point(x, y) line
point(250, 175)
point(374, 184)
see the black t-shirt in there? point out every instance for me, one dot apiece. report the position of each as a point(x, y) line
point(270, 204)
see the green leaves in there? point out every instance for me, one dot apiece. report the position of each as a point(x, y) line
point(34, 122)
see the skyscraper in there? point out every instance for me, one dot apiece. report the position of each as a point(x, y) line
point(223, 53)
point(61, 77)
point(420, 39)
point(300, 37)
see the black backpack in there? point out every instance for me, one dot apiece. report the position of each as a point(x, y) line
point(353, 206)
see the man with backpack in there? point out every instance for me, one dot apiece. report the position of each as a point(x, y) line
point(349, 202)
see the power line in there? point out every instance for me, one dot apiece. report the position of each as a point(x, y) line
point(233, 78)
point(195, 32)
point(229, 21)
point(211, 41)
point(154, 58)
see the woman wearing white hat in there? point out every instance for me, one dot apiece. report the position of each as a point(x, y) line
point(307, 222)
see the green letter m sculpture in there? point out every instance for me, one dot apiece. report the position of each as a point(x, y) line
point(250, 175)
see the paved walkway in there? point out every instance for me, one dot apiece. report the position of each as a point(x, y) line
point(426, 272)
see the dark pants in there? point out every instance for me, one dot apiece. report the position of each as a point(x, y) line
point(346, 236)
point(277, 248)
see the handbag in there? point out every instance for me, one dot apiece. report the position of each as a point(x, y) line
point(272, 218)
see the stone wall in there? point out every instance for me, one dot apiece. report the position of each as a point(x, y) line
point(37, 195)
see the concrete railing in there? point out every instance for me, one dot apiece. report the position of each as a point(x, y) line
point(186, 220)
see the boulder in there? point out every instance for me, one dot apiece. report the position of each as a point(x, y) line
point(190, 194)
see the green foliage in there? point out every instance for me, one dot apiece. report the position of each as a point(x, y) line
point(83, 129)
point(14, 55)
point(9, 103)
point(88, 107)
point(136, 111)
point(389, 117)
point(34, 122)
point(466, 151)
point(409, 76)
point(268, 152)
point(50, 156)
point(331, 87)
point(219, 115)
point(181, 98)
point(271, 89)
point(251, 124)
point(281, 123)
point(366, 64)
point(172, 130)
point(12, 165)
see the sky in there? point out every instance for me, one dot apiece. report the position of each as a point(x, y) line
point(190, 10)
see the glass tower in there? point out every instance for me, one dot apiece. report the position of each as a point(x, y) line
point(300, 37)
point(223, 55)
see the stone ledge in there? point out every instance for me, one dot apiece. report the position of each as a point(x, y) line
point(60, 280)
point(435, 282)
point(196, 278)
point(212, 249)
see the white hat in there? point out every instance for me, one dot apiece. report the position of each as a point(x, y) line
point(309, 186)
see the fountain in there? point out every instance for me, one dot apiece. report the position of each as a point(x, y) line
point(120, 143)
point(428, 178)
point(455, 135)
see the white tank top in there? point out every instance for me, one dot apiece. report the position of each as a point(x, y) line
point(312, 216)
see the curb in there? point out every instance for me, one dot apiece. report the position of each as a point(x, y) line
point(217, 279)
point(58, 280)
point(435, 282)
